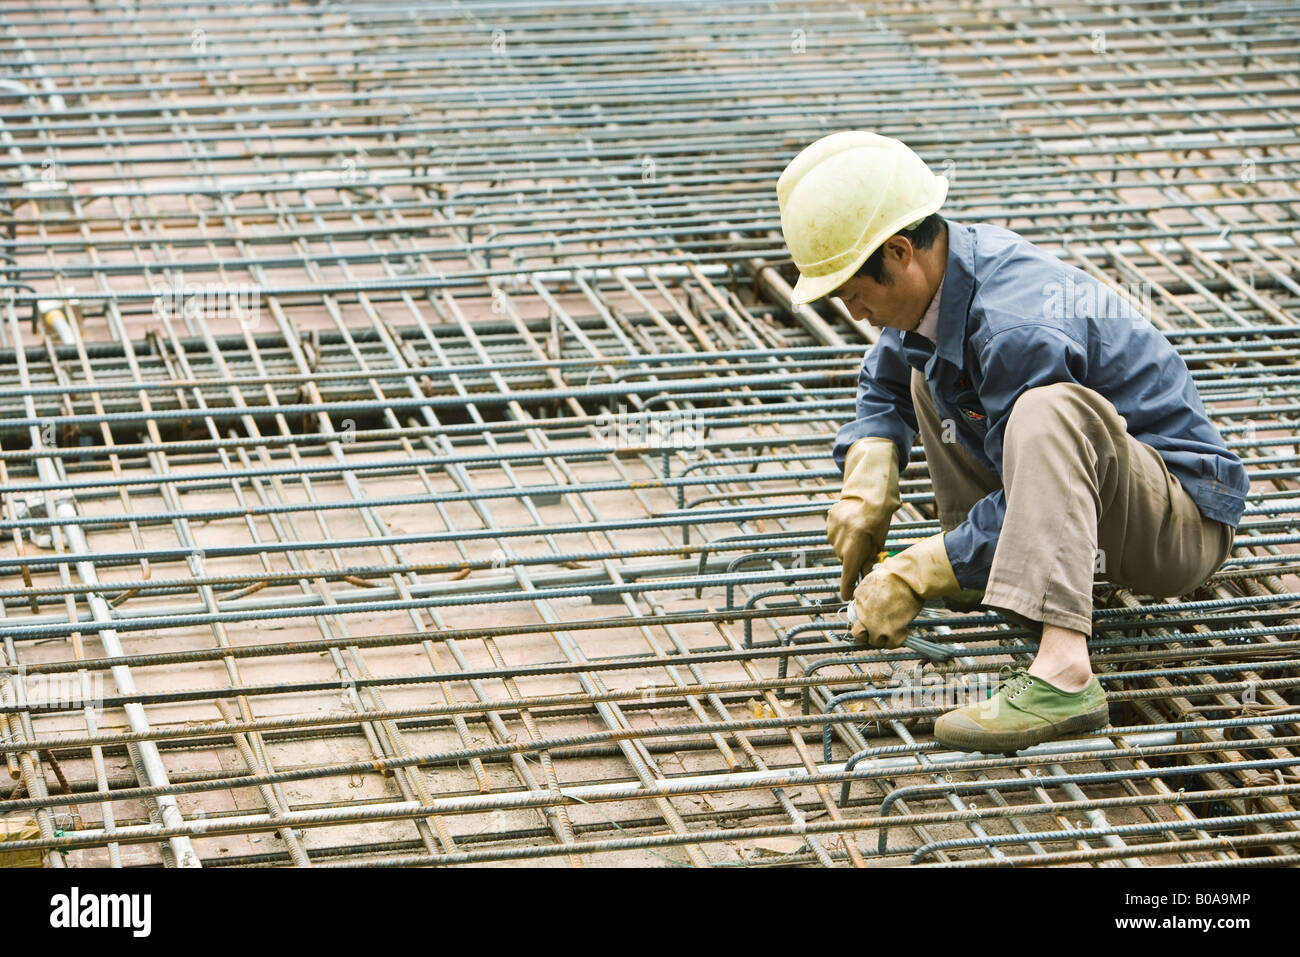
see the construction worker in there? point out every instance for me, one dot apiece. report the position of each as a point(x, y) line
point(1064, 435)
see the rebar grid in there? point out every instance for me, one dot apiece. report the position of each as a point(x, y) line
point(347, 513)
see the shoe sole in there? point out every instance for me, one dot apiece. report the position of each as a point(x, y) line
point(1000, 742)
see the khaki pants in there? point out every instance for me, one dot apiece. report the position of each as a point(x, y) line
point(1083, 497)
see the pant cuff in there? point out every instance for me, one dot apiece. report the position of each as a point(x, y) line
point(1038, 610)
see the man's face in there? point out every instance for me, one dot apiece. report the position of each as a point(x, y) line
point(899, 301)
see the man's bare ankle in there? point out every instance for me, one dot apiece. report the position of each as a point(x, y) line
point(1062, 659)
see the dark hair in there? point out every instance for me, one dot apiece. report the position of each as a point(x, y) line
point(922, 237)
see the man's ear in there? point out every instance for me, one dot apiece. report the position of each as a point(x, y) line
point(900, 249)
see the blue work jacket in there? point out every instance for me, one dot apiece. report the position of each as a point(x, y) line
point(1013, 317)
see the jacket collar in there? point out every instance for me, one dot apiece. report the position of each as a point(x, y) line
point(958, 289)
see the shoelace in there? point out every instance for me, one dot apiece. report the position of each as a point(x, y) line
point(1014, 681)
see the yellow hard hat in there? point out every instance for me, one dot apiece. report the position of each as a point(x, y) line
point(842, 197)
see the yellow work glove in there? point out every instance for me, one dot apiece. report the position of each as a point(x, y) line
point(893, 592)
point(857, 523)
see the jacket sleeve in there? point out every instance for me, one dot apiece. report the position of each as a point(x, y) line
point(1013, 361)
point(884, 401)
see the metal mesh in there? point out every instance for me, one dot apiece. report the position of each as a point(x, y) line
point(411, 456)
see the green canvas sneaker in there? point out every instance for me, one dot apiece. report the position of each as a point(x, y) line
point(1025, 711)
point(968, 599)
